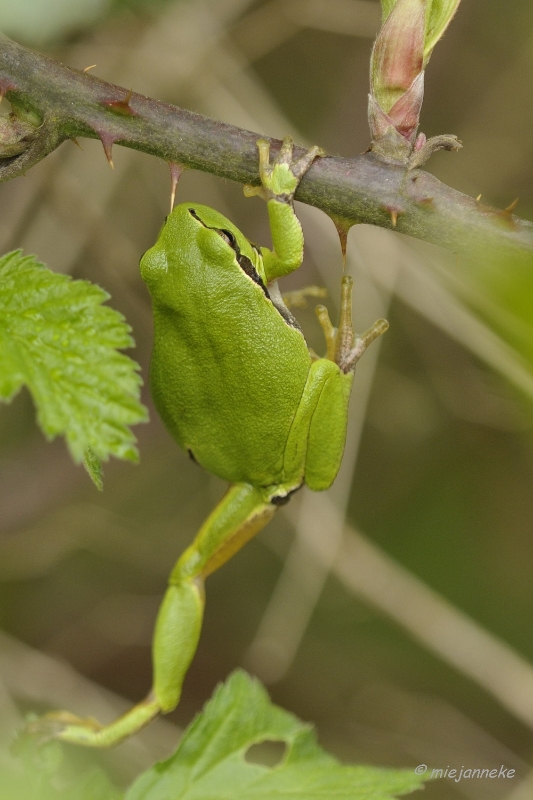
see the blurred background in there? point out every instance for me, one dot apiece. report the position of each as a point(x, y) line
point(395, 611)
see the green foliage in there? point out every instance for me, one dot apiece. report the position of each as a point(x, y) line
point(499, 289)
point(91, 785)
point(58, 339)
point(439, 14)
point(210, 761)
point(386, 8)
point(46, 772)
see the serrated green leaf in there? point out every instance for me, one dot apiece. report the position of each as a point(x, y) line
point(93, 465)
point(93, 785)
point(210, 762)
point(49, 772)
point(58, 339)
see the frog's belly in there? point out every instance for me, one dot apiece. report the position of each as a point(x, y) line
point(231, 404)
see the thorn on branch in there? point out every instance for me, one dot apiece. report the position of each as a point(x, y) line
point(506, 218)
point(343, 228)
point(176, 171)
point(394, 213)
point(121, 106)
point(108, 140)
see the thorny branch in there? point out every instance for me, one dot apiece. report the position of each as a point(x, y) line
point(53, 103)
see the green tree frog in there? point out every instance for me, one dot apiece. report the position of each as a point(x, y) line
point(238, 388)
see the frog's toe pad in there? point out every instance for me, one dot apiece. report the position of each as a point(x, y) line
point(285, 153)
point(300, 167)
point(54, 725)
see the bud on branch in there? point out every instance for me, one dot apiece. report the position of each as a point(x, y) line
point(15, 136)
point(411, 29)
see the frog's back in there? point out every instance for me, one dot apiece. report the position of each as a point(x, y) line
point(228, 370)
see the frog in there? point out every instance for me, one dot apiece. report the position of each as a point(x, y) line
point(239, 389)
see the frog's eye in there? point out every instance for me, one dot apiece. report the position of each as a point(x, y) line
point(228, 237)
point(193, 213)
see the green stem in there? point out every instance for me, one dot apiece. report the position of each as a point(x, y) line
point(365, 189)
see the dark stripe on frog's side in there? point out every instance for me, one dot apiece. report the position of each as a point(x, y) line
point(243, 261)
point(248, 268)
point(246, 265)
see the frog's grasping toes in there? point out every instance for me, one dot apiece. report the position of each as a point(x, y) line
point(237, 386)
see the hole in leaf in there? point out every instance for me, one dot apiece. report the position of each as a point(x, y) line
point(268, 753)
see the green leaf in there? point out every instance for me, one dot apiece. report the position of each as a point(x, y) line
point(210, 762)
point(92, 785)
point(49, 772)
point(386, 8)
point(499, 289)
point(93, 465)
point(439, 14)
point(58, 339)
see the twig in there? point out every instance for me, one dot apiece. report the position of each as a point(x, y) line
point(70, 103)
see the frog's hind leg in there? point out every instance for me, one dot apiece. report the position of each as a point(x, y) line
point(242, 512)
point(327, 429)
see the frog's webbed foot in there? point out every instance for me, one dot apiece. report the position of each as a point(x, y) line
point(362, 340)
point(344, 346)
point(67, 727)
point(54, 724)
point(298, 297)
point(280, 179)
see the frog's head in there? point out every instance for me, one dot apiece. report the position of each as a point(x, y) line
point(219, 241)
point(194, 234)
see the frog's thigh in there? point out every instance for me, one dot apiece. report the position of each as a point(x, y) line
point(294, 461)
point(327, 432)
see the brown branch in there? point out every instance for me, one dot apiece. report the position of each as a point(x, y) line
point(364, 189)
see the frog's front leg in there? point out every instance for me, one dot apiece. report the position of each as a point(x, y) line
point(242, 512)
point(279, 182)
